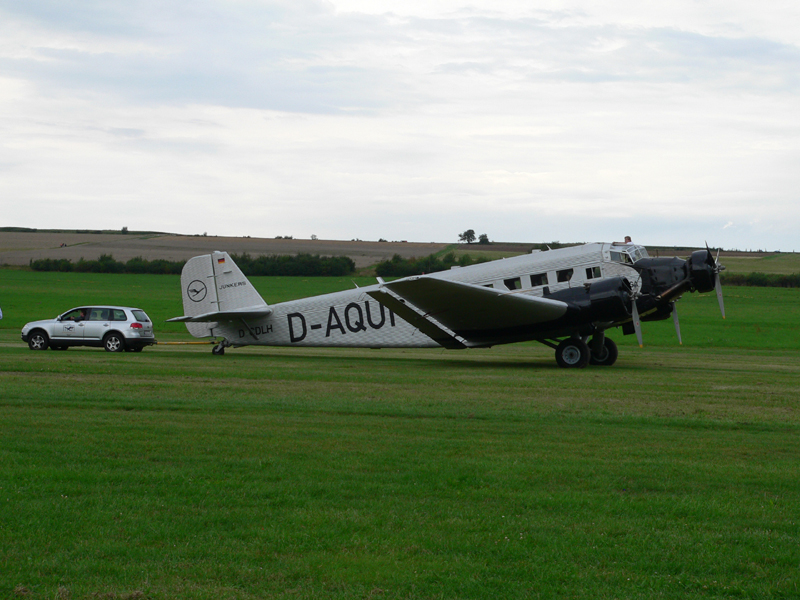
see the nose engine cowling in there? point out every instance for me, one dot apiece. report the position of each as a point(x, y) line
point(668, 278)
point(702, 271)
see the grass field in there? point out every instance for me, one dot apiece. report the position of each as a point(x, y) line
point(272, 473)
point(779, 264)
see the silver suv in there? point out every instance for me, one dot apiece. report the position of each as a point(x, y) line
point(115, 328)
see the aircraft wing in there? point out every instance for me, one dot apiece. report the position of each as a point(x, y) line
point(466, 310)
point(226, 315)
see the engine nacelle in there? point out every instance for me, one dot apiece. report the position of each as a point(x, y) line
point(603, 301)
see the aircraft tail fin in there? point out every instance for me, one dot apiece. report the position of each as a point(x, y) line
point(215, 290)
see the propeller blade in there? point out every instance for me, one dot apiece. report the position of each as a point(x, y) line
point(718, 283)
point(637, 324)
point(677, 322)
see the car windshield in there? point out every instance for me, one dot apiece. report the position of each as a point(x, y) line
point(140, 316)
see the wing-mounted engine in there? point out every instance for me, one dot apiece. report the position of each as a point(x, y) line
point(604, 301)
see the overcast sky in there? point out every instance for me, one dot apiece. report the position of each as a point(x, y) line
point(673, 122)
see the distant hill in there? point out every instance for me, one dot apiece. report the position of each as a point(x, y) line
point(18, 246)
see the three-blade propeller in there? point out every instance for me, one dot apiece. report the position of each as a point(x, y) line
point(716, 268)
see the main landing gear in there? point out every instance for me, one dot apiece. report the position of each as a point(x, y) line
point(575, 353)
point(219, 348)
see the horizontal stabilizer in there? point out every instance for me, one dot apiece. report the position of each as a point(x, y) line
point(228, 315)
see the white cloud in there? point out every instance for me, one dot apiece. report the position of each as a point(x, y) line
point(404, 121)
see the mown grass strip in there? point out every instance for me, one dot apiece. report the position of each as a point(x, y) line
point(405, 474)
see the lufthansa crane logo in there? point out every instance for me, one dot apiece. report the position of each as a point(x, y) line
point(197, 291)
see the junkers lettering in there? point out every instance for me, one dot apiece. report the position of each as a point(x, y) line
point(356, 319)
point(226, 286)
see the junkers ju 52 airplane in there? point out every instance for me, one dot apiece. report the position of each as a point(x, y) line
point(566, 299)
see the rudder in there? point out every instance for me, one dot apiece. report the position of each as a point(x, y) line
point(213, 284)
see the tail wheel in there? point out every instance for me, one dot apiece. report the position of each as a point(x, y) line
point(608, 356)
point(38, 340)
point(114, 342)
point(573, 353)
point(218, 350)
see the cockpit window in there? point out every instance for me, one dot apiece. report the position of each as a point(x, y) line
point(628, 254)
point(621, 257)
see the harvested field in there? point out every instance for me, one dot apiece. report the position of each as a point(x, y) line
point(19, 248)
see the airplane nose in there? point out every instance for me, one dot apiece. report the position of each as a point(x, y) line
point(703, 271)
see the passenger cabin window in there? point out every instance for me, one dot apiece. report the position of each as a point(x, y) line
point(514, 283)
point(118, 315)
point(538, 279)
point(564, 276)
point(592, 272)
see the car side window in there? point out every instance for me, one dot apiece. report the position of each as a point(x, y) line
point(99, 314)
point(118, 315)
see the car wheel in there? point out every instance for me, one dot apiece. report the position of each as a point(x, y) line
point(113, 342)
point(38, 341)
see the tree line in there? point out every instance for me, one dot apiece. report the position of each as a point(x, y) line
point(306, 265)
point(761, 279)
point(397, 266)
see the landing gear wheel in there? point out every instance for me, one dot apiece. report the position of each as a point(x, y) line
point(608, 356)
point(38, 341)
point(573, 353)
point(218, 350)
point(113, 342)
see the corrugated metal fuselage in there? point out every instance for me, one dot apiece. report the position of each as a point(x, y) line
point(352, 318)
